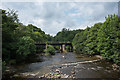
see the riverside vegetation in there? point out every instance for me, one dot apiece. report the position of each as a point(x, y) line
point(18, 39)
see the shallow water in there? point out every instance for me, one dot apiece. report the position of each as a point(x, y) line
point(100, 69)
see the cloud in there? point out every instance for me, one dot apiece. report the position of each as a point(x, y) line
point(53, 16)
point(60, 0)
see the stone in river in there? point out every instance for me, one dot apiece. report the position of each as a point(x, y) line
point(57, 70)
point(93, 68)
point(66, 76)
point(16, 75)
point(73, 72)
point(58, 76)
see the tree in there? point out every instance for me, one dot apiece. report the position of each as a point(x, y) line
point(9, 25)
point(91, 42)
point(108, 38)
point(66, 35)
point(26, 46)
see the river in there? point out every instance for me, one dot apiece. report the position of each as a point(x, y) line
point(69, 64)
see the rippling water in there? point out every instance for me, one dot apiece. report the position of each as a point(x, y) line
point(101, 69)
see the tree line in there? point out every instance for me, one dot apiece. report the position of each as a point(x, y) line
point(66, 35)
point(18, 40)
point(102, 38)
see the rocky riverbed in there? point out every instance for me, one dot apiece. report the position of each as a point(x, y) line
point(69, 66)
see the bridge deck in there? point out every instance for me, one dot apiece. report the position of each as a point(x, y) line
point(54, 43)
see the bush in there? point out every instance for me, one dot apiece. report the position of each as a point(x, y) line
point(26, 46)
point(50, 50)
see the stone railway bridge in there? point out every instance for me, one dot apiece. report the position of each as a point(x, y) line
point(61, 44)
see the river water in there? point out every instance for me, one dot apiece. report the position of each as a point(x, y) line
point(98, 69)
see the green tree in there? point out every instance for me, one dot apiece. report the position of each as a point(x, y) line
point(66, 35)
point(108, 38)
point(91, 42)
point(26, 46)
point(9, 25)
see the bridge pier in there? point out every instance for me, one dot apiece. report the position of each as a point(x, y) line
point(60, 48)
point(46, 46)
point(71, 48)
point(63, 47)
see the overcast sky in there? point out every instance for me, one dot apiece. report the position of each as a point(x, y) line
point(51, 17)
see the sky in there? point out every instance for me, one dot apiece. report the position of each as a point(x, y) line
point(52, 17)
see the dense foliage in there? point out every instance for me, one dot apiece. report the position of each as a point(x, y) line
point(66, 35)
point(102, 38)
point(18, 40)
point(25, 47)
